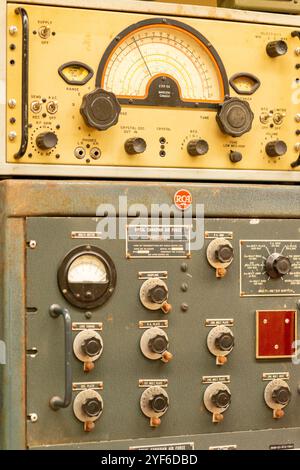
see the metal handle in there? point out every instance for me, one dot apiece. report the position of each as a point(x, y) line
point(25, 58)
point(57, 402)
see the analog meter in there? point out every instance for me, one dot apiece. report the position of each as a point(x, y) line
point(87, 277)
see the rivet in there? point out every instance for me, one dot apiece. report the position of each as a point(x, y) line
point(12, 135)
point(12, 103)
point(13, 30)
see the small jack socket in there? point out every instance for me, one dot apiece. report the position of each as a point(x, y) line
point(95, 153)
point(79, 152)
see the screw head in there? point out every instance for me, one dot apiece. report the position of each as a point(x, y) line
point(13, 30)
point(12, 136)
point(12, 103)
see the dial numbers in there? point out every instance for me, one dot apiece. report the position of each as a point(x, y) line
point(87, 269)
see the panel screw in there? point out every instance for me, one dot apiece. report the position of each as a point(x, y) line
point(12, 135)
point(33, 417)
point(13, 30)
point(88, 315)
point(184, 287)
point(12, 103)
point(32, 244)
point(184, 307)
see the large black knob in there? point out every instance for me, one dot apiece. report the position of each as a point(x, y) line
point(135, 145)
point(100, 109)
point(224, 254)
point(92, 407)
point(277, 148)
point(197, 147)
point(91, 347)
point(235, 117)
point(235, 157)
point(225, 342)
point(46, 140)
point(281, 395)
point(159, 344)
point(221, 399)
point(158, 294)
point(278, 265)
point(276, 48)
point(159, 403)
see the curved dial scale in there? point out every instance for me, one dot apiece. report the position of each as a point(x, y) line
point(163, 62)
point(87, 269)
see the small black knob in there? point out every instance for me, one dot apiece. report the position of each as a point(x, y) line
point(197, 147)
point(221, 399)
point(159, 403)
point(159, 344)
point(135, 145)
point(46, 140)
point(277, 48)
point(277, 148)
point(91, 347)
point(235, 117)
point(224, 253)
point(235, 157)
point(92, 407)
point(225, 342)
point(158, 294)
point(100, 109)
point(281, 395)
point(278, 265)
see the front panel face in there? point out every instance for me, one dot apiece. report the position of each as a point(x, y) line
point(233, 366)
point(115, 89)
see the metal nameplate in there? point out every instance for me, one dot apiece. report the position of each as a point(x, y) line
point(87, 326)
point(213, 235)
point(282, 447)
point(219, 321)
point(228, 447)
point(145, 383)
point(87, 235)
point(153, 274)
point(255, 282)
point(78, 386)
point(153, 323)
point(211, 379)
point(275, 375)
point(158, 241)
point(176, 446)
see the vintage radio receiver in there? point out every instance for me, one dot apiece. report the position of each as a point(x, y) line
point(282, 6)
point(137, 89)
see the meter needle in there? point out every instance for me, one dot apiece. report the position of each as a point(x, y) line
point(146, 65)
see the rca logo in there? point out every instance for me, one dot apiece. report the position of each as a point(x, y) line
point(183, 199)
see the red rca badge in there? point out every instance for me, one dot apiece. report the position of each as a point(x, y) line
point(183, 199)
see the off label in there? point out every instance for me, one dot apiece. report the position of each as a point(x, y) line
point(183, 199)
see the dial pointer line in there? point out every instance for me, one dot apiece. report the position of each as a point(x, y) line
point(142, 57)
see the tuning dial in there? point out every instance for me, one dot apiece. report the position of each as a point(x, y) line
point(46, 140)
point(100, 109)
point(92, 407)
point(159, 403)
point(235, 117)
point(221, 399)
point(91, 347)
point(278, 265)
point(135, 145)
point(225, 341)
point(277, 48)
point(281, 395)
point(224, 253)
point(197, 147)
point(277, 148)
point(154, 295)
point(158, 294)
point(159, 344)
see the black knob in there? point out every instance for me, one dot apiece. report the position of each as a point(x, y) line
point(100, 109)
point(235, 157)
point(92, 407)
point(224, 253)
point(91, 347)
point(159, 344)
point(281, 395)
point(278, 265)
point(221, 399)
point(235, 117)
point(197, 147)
point(277, 48)
point(159, 403)
point(277, 148)
point(135, 145)
point(225, 342)
point(158, 294)
point(46, 140)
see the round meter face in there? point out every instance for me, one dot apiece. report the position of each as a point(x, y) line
point(87, 277)
point(163, 62)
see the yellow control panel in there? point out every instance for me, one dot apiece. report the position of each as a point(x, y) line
point(117, 93)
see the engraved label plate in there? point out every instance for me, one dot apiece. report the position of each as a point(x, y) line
point(145, 383)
